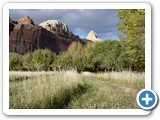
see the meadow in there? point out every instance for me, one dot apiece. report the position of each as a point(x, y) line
point(73, 90)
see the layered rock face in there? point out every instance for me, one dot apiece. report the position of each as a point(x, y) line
point(25, 36)
point(92, 36)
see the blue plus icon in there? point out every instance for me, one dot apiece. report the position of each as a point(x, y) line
point(147, 99)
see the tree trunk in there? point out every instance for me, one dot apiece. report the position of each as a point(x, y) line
point(112, 69)
point(131, 65)
point(105, 70)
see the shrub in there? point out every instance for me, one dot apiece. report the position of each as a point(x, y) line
point(38, 60)
point(27, 62)
point(15, 62)
point(42, 59)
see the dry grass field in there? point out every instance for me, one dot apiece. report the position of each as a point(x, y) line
point(71, 90)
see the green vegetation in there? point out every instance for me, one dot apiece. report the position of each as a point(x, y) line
point(132, 28)
point(104, 56)
point(15, 62)
point(38, 60)
point(69, 89)
point(42, 80)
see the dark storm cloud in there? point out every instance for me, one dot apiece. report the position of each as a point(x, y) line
point(79, 21)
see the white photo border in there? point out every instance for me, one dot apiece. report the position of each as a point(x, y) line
point(8, 6)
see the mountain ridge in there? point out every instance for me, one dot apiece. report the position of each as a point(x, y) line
point(26, 36)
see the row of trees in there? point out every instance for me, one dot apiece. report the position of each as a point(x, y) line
point(128, 53)
point(104, 56)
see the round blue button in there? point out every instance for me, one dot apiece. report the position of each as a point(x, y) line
point(147, 99)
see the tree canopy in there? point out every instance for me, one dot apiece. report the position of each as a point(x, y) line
point(132, 28)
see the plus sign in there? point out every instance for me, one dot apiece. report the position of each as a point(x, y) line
point(147, 99)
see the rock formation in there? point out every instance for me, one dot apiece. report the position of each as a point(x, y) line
point(92, 36)
point(25, 36)
point(54, 26)
point(25, 20)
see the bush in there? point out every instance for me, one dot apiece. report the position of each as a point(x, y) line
point(38, 60)
point(42, 59)
point(15, 62)
point(27, 62)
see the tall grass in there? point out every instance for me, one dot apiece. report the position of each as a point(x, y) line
point(125, 75)
point(114, 90)
point(69, 89)
point(44, 92)
point(23, 75)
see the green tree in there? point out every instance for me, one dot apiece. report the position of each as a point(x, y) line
point(106, 55)
point(87, 58)
point(76, 57)
point(132, 28)
point(71, 58)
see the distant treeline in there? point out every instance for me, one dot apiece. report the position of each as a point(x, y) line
point(108, 55)
point(128, 53)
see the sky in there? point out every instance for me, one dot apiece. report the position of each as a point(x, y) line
point(79, 21)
